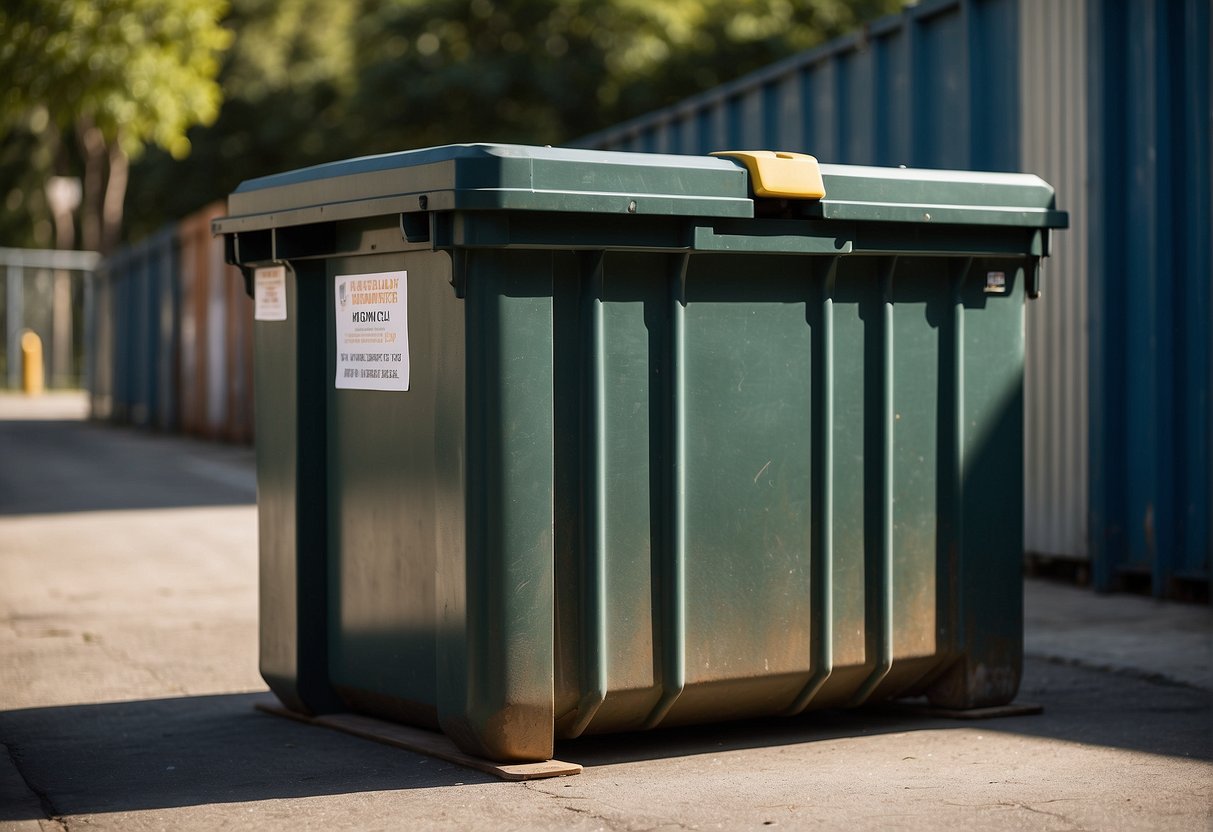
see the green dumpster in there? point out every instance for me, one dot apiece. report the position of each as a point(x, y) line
point(558, 441)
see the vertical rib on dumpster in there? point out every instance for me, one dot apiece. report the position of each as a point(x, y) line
point(673, 613)
point(505, 709)
point(291, 383)
point(821, 556)
point(593, 595)
point(988, 494)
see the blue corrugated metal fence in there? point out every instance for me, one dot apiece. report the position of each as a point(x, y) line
point(1151, 254)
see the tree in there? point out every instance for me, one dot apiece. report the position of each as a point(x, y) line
point(309, 81)
point(94, 81)
point(285, 80)
point(547, 71)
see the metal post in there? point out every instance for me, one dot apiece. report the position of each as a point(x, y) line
point(89, 370)
point(15, 275)
point(61, 329)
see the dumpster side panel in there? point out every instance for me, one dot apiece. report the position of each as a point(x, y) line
point(238, 421)
point(747, 411)
point(382, 507)
point(912, 305)
point(698, 596)
point(290, 368)
point(619, 348)
point(440, 557)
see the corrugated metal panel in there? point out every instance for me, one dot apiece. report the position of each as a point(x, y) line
point(194, 236)
point(163, 271)
point(1053, 144)
point(216, 357)
point(1151, 256)
point(136, 334)
point(171, 335)
point(935, 86)
point(117, 275)
point(215, 339)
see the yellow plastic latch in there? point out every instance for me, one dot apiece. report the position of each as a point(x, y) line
point(780, 174)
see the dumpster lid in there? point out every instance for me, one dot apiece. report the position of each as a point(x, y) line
point(487, 177)
point(858, 192)
point(492, 177)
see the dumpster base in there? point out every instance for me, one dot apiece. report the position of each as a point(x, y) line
point(421, 741)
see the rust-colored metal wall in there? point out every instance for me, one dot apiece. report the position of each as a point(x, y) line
point(174, 335)
point(216, 336)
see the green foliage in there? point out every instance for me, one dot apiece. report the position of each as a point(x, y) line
point(286, 45)
point(286, 81)
point(89, 83)
point(26, 162)
point(140, 70)
point(546, 71)
point(309, 81)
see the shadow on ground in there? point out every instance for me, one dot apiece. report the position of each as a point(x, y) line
point(168, 753)
point(66, 466)
point(1081, 706)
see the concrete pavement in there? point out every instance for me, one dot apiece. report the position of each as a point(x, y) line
point(128, 656)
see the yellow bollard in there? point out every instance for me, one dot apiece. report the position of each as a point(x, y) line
point(31, 363)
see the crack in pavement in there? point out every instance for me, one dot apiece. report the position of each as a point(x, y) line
point(534, 788)
point(611, 823)
point(44, 798)
point(1073, 826)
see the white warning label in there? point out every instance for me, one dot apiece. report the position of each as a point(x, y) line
point(372, 331)
point(269, 293)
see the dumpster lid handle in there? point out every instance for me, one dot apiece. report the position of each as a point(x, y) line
point(778, 173)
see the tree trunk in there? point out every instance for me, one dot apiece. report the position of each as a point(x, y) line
point(115, 196)
point(92, 147)
point(65, 221)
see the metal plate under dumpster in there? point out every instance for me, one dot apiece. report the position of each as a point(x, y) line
point(633, 447)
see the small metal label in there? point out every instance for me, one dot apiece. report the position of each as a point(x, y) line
point(996, 283)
